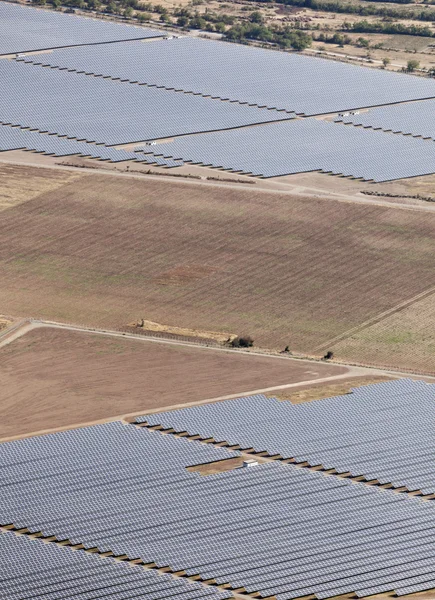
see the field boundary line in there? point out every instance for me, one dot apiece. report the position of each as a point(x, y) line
point(376, 319)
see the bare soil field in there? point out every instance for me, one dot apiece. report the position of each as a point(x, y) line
point(57, 378)
point(287, 270)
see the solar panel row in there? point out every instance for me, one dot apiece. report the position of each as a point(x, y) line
point(14, 138)
point(25, 29)
point(32, 569)
point(96, 109)
point(291, 82)
point(382, 431)
point(303, 145)
point(413, 118)
point(275, 528)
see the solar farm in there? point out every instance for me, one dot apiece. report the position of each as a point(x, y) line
point(224, 106)
point(122, 512)
point(201, 246)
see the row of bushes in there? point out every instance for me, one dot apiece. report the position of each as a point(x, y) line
point(285, 37)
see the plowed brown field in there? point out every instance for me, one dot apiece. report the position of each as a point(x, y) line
point(57, 378)
point(106, 251)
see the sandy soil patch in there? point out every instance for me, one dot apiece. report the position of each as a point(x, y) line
point(55, 378)
point(288, 271)
point(150, 326)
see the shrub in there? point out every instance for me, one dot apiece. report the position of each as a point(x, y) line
point(242, 341)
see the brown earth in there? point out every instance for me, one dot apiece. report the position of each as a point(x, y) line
point(56, 378)
point(102, 251)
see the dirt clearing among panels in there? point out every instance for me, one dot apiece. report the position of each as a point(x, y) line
point(56, 378)
point(102, 251)
point(17, 187)
point(319, 391)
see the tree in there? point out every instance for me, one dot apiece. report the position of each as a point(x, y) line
point(220, 27)
point(182, 21)
point(143, 17)
point(386, 61)
point(363, 42)
point(256, 17)
point(412, 65)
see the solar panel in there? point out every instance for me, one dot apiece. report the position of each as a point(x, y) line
point(96, 109)
point(303, 145)
point(382, 431)
point(14, 138)
point(26, 29)
point(274, 529)
point(279, 80)
point(31, 569)
point(413, 118)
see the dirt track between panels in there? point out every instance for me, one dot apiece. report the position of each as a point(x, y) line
point(57, 378)
point(285, 270)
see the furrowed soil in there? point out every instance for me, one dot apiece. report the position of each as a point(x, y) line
point(57, 378)
point(107, 251)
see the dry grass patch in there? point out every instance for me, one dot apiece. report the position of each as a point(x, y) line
point(404, 340)
point(4, 322)
point(321, 391)
point(20, 184)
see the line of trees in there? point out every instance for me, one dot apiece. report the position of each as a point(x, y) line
point(284, 37)
point(392, 28)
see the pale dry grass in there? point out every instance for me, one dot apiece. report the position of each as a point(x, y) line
point(321, 391)
point(16, 189)
point(405, 339)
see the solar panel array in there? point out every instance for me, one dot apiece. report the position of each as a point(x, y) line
point(275, 528)
point(26, 29)
point(383, 431)
point(414, 118)
point(303, 145)
point(32, 569)
point(279, 80)
point(14, 138)
point(95, 109)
